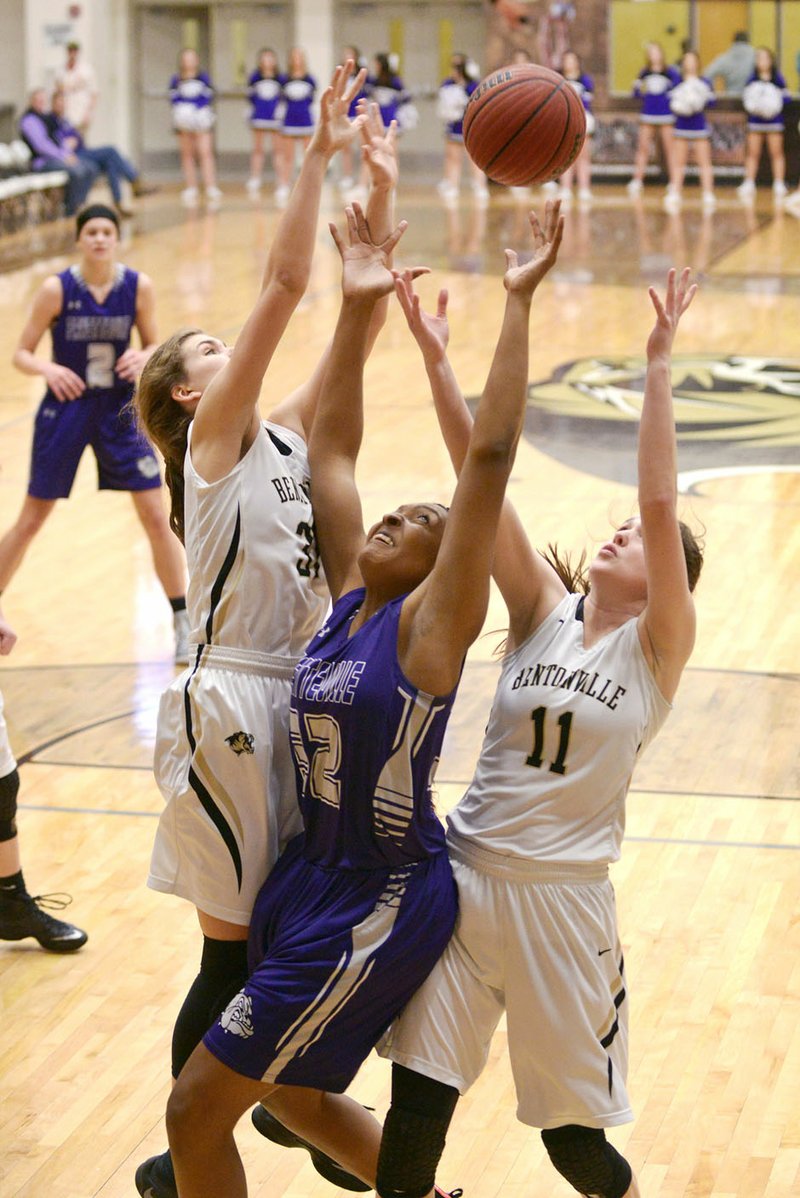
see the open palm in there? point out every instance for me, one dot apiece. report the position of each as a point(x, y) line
point(524, 278)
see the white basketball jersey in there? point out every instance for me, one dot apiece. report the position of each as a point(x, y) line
point(566, 728)
point(255, 578)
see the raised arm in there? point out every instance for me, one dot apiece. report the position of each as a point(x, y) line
point(379, 148)
point(530, 587)
point(226, 419)
point(443, 616)
point(667, 625)
point(337, 430)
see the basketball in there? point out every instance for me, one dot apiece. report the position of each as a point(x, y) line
point(524, 124)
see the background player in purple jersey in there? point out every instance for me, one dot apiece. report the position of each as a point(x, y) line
point(91, 310)
point(358, 907)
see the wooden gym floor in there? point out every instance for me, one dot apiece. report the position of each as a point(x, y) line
point(709, 884)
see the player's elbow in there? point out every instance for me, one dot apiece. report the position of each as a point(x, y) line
point(291, 280)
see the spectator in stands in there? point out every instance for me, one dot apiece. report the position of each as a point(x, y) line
point(735, 65)
point(107, 159)
point(48, 155)
point(78, 83)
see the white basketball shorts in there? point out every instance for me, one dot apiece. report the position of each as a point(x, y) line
point(539, 941)
point(224, 766)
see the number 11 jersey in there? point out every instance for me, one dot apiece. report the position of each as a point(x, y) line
point(567, 726)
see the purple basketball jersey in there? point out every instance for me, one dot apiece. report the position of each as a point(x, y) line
point(366, 744)
point(89, 337)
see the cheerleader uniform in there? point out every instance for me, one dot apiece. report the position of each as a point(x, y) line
point(774, 124)
point(298, 96)
point(653, 88)
point(191, 101)
point(265, 95)
point(453, 99)
point(694, 127)
point(360, 906)
point(583, 86)
point(389, 97)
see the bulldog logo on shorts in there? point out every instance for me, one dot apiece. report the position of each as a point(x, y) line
point(237, 1016)
point(241, 742)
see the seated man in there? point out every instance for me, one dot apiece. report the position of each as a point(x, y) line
point(48, 155)
point(106, 159)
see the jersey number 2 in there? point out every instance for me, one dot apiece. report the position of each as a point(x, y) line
point(100, 360)
point(535, 759)
point(320, 773)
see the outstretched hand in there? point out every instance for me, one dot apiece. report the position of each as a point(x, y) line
point(334, 128)
point(431, 333)
point(525, 278)
point(679, 295)
point(366, 270)
point(379, 146)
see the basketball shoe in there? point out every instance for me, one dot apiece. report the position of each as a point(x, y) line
point(269, 1127)
point(23, 915)
point(273, 1130)
point(155, 1177)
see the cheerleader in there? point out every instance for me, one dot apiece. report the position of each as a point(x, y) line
point(388, 91)
point(454, 94)
point(582, 167)
point(689, 100)
point(652, 86)
point(347, 181)
point(191, 94)
point(763, 98)
point(297, 125)
point(264, 89)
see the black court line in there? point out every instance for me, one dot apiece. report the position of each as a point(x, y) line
point(56, 740)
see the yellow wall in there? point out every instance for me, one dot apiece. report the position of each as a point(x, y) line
point(717, 22)
point(764, 22)
point(790, 42)
point(632, 25)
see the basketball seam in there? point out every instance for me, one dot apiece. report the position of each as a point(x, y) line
point(526, 122)
point(554, 155)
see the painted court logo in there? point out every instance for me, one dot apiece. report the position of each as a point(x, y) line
point(733, 415)
point(237, 1018)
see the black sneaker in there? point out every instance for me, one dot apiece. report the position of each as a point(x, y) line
point(155, 1178)
point(23, 915)
point(272, 1129)
point(440, 1193)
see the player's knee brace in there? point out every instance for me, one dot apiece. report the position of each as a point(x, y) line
point(9, 789)
point(414, 1134)
point(589, 1163)
point(223, 972)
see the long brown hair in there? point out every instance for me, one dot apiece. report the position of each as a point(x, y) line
point(163, 419)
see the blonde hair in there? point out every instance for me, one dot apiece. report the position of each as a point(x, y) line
point(163, 420)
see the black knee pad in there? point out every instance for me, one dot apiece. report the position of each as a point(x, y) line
point(223, 972)
point(414, 1134)
point(589, 1163)
point(9, 789)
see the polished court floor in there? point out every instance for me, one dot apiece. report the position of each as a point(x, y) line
point(709, 882)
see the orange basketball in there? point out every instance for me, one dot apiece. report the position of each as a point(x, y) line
point(524, 124)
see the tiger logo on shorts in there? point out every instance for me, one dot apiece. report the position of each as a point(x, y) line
point(237, 1018)
point(241, 742)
